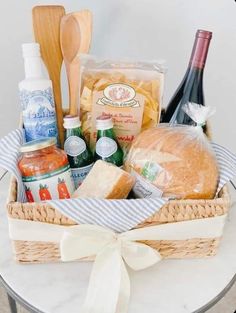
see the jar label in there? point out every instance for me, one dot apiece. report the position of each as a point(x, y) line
point(54, 185)
point(144, 189)
point(105, 147)
point(74, 146)
point(79, 174)
point(39, 115)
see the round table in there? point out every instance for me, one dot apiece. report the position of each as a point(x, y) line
point(173, 286)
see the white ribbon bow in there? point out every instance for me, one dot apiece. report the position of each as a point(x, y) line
point(109, 273)
point(109, 287)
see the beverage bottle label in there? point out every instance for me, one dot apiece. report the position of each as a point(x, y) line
point(106, 147)
point(74, 146)
point(79, 174)
point(39, 116)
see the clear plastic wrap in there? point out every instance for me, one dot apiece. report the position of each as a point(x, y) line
point(175, 161)
point(130, 92)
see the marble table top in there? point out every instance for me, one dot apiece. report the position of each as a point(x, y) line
point(173, 286)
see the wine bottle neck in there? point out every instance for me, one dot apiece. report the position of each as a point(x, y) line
point(200, 49)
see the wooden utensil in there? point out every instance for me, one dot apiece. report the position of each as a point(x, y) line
point(46, 23)
point(75, 38)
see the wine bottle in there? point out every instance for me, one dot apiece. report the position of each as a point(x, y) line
point(191, 87)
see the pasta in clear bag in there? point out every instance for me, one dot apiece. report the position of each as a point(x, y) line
point(130, 92)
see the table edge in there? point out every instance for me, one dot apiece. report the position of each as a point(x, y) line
point(32, 309)
point(18, 298)
point(217, 298)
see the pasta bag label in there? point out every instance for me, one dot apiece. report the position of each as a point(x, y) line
point(126, 107)
point(119, 95)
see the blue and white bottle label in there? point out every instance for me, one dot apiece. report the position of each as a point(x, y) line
point(39, 116)
point(79, 174)
point(74, 146)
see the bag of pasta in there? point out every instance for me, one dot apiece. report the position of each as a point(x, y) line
point(129, 92)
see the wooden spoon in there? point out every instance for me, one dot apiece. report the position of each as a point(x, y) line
point(46, 23)
point(75, 35)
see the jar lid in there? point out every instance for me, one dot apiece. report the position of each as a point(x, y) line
point(104, 122)
point(38, 144)
point(71, 121)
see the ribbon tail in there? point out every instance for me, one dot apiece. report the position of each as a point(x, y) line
point(109, 283)
point(123, 299)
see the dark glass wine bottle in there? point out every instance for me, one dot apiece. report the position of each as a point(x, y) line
point(191, 87)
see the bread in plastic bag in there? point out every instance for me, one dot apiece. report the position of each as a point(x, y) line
point(130, 92)
point(175, 161)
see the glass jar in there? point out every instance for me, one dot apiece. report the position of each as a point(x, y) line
point(45, 171)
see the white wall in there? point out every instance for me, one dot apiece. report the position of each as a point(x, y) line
point(146, 29)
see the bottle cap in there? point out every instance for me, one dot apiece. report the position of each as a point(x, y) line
point(104, 122)
point(200, 48)
point(204, 34)
point(71, 121)
point(31, 49)
point(38, 144)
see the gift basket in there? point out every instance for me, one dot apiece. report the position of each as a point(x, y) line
point(110, 182)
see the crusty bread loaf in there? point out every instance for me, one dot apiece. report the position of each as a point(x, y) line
point(105, 181)
point(179, 161)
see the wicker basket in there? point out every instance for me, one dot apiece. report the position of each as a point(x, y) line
point(173, 211)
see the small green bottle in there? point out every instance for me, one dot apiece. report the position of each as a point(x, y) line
point(79, 155)
point(107, 147)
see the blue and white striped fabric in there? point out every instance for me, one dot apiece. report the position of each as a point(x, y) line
point(227, 164)
point(9, 155)
point(118, 215)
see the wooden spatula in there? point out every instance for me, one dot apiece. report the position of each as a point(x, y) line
point(75, 38)
point(46, 23)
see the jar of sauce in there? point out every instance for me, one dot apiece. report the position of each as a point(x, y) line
point(45, 171)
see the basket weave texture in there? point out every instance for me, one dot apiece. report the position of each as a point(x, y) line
point(173, 211)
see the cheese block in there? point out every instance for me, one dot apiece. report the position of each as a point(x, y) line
point(105, 181)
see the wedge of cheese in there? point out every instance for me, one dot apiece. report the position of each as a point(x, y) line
point(105, 181)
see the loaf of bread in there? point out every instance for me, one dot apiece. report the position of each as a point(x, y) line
point(105, 181)
point(178, 161)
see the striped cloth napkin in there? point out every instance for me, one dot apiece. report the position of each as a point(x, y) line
point(118, 215)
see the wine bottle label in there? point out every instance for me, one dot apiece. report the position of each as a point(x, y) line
point(105, 147)
point(74, 146)
point(57, 184)
point(39, 115)
point(144, 189)
point(79, 174)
